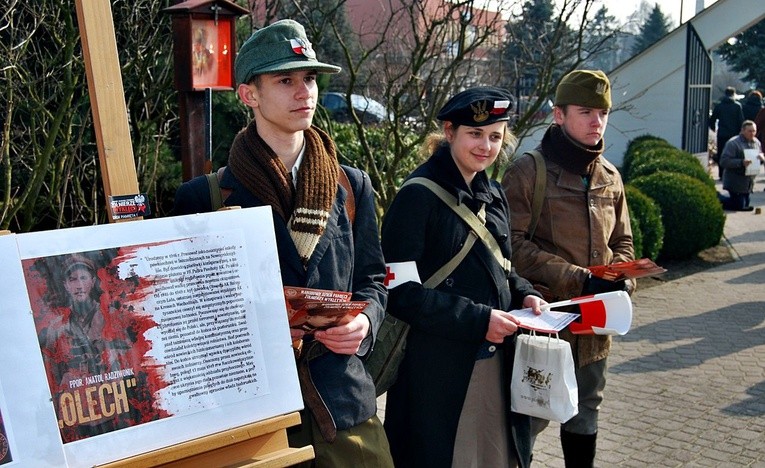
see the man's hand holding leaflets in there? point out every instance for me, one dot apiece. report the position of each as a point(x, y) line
point(318, 309)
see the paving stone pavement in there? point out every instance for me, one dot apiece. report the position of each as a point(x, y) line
point(686, 385)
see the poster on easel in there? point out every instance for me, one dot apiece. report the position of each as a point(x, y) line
point(28, 420)
point(159, 332)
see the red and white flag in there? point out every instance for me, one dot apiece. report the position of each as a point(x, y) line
point(399, 273)
point(602, 314)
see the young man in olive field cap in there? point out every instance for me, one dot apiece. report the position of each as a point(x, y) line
point(583, 222)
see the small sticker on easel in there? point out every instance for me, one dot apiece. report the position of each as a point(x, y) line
point(129, 206)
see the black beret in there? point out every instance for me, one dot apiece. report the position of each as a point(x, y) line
point(477, 107)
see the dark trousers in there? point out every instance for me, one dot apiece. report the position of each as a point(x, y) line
point(735, 202)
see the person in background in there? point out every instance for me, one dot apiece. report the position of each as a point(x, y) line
point(726, 120)
point(759, 122)
point(751, 105)
point(734, 162)
point(281, 160)
point(584, 222)
point(451, 403)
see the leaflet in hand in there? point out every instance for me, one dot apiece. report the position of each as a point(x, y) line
point(318, 309)
point(754, 156)
point(550, 321)
point(622, 270)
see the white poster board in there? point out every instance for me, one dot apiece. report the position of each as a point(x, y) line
point(158, 331)
point(29, 421)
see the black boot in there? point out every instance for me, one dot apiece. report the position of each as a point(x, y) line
point(578, 449)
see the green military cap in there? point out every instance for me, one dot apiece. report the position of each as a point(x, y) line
point(586, 88)
point(281, 46)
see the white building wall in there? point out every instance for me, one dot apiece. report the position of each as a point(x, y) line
point(648, 91)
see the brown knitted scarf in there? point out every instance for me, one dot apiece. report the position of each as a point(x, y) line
point(306, 210)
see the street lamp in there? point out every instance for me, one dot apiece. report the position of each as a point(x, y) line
point(204, 47)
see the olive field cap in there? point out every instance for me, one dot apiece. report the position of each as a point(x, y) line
point(477, 107)
point(586, 88)
point(281, 46)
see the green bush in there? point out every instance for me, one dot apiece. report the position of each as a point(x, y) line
point(637, 236)
point(673, 160)
point(691, 213)
point(640, 145)
point(658, 153)
point(647, 223)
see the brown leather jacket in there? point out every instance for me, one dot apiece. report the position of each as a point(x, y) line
point(578, 227)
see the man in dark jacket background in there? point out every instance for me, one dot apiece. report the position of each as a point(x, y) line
point(752, 104)
point(726, 119)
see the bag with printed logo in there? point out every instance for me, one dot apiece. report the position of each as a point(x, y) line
point(544, 382)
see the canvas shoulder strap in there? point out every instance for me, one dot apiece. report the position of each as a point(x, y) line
point(446, 270)
point(217, 194)
point(216, 201)
point(350, 200)
point(475, 223)
point(540, 185)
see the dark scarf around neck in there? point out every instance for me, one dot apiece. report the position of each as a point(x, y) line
point(567, 153)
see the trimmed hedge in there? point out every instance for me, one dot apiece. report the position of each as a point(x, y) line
point(647, 223)
point(639, 146)
point(670, 160)
point(692, 215)
point(658, 153)
point(637, 236)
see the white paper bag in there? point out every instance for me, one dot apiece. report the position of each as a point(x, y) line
point(544, 383)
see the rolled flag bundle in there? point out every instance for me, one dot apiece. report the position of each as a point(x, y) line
point(601, 314)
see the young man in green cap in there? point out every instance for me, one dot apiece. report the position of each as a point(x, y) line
point(583, 221)
point(327, 238)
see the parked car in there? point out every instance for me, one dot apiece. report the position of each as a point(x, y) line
point(367, 109)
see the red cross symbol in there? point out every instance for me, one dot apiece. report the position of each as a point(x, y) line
point(389, 276)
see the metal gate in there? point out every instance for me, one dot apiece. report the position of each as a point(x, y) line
point(698, 92)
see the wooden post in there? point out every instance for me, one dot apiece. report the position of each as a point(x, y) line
point(107, 99)
point(192, 111)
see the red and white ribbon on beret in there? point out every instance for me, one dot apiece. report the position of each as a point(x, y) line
point(500, 107)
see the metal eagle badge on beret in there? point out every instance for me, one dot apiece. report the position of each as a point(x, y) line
point(481, 112)
point(302, 47)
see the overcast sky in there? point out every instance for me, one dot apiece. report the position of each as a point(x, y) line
point(671, 8)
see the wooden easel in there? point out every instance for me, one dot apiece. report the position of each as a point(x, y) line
point(260, 444)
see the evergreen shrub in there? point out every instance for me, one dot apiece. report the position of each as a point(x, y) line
point(670, 160)
point(692, 215)
point(637, 236)
point(638, 146)
point(647, 223)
